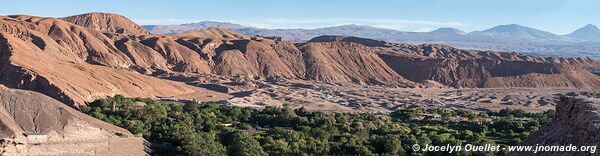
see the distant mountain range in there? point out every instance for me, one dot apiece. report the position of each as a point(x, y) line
point(512, 37)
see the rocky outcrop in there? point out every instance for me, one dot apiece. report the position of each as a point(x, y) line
point(34, 124)
point(576, 122)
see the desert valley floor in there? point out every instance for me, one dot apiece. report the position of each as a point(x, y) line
point(382, 99)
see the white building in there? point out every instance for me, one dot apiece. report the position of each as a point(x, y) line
point(36, 137)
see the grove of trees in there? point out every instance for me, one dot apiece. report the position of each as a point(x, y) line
point(210, 129)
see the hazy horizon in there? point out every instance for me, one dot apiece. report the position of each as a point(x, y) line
point(559, 17)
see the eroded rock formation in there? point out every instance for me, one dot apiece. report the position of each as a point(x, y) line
point(576, 122)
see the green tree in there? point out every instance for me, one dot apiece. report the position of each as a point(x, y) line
point(241, 143)
point(202, 144)
point(393, 146)
point(135, 126)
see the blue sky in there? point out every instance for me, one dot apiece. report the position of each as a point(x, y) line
point(557, 16)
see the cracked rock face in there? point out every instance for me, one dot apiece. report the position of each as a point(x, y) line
point(577, 122)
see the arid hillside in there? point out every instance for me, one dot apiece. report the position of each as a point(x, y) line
point(75, 64)
point(487, 69)
point(34, 124)
point(86, 58)
point(106, 22)
point(344, 61)
point(223, 52)
point(444, 51)
point(449, 52)
point(89, 58)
